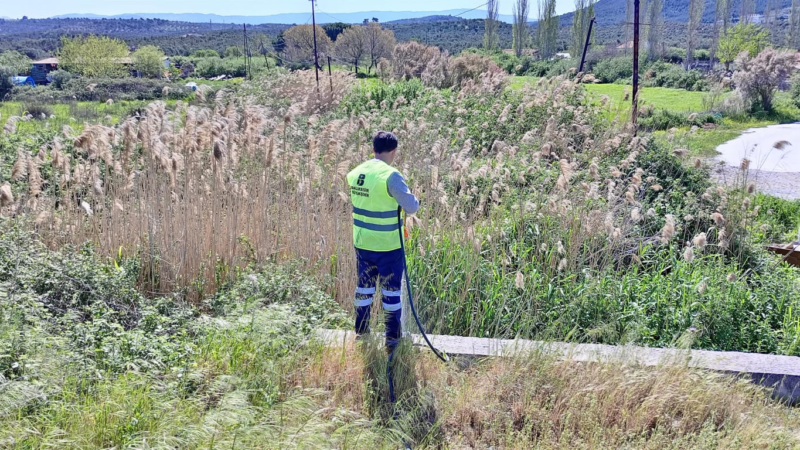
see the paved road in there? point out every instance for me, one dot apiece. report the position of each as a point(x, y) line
point(774, 154)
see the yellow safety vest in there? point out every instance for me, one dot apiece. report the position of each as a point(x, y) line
point(375, 221)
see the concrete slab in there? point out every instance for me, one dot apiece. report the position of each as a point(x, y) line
point(777, 372)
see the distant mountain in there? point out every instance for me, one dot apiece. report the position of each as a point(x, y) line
point(295, 18)
point(612, 12)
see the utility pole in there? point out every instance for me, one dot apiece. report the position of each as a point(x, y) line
point(246, 68)
point(330, 74)
point(635, 106)
point(586, 44)
point(314, 27)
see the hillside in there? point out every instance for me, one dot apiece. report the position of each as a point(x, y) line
point(296, 18)
point(40, 37)
point(612, 12)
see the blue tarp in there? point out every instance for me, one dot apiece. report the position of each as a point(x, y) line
point(21, 81)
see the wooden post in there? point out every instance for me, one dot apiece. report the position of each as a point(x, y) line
point(316, 58)
point(586, 44)
point(330, 74)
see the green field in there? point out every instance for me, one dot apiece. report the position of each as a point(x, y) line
point(675, 100)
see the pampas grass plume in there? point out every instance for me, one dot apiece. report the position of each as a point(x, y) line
point(700, 241)
point(86, 208)
point(688, 254)
point(745, 164)
point(6, 196)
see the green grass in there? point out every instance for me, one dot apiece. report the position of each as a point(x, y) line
point(675, 100)
point(703, 143)
point(74, 114)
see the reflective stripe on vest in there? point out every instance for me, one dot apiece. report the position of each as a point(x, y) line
point(375, 222)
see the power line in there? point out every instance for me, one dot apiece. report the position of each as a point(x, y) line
point(470, 10)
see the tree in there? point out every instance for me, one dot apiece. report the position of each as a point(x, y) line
point(748, 9)
point(757, 78)
point(770, 12)
point(333, 30)
point(93, 56)
point(749, 38)
point(299, 43)
point(380, 43)
point(6, 84)
point(490, 38)
point(696, 8)
point(520, 32)
point(206, 53)
point(149, 61)
point(628, 22)
point(584, 9)
point(351, 46)
point(15, 62)
point(794, 24)
point(655, 28)
point(547, 28)
point(234, 52)
point(721, 18)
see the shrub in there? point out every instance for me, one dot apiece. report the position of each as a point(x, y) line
point(60, 77)
point(794, 91)
point(149, 61)
point(758, 78)
point(674, 76)
point(208, 53)
point(5, 80)
point(661, 119)
point(19, 63)
point(469, 67)
point(613, 69)
point(103, 89)
point(411, 59)
point(216, 66)
point(38, 110)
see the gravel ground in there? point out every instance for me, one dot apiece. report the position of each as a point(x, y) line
point(780, 184)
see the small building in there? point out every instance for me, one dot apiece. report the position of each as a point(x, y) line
point(42, 68)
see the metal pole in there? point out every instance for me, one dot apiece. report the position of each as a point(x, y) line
point(635, 105)
point(314, 25)
point(586, 44)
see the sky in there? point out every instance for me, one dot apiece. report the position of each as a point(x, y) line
point(48, 8)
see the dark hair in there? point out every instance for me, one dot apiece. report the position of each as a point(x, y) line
point(384, 142)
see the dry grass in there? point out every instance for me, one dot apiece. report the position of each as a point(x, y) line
point(537, 402)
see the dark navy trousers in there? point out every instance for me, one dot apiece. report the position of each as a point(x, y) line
point(384, 270)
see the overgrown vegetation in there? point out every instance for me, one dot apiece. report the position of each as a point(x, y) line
point(87, 361)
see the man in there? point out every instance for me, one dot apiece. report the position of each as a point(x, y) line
point(377, 191)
